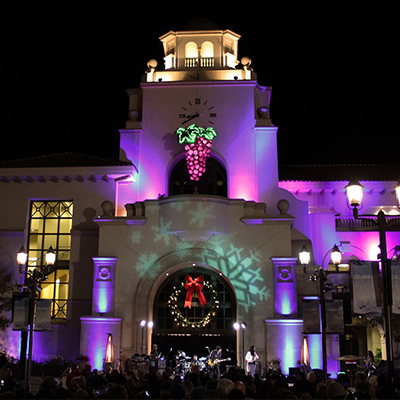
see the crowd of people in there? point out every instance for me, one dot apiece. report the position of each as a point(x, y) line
point(235, 383)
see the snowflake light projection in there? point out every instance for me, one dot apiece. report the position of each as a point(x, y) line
point(198, 148)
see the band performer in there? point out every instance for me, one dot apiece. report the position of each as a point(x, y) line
point(154, 356)
point(251, 358)
point(215, 357)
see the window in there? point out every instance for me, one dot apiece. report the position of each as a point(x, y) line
point(207, 55)
point(207, 50)
point(191, 50)
point(213, 180)
point(50, 225)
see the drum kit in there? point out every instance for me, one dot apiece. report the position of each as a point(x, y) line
point(184, 363)
point(139, 364)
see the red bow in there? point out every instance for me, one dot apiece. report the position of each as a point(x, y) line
point(194, 285)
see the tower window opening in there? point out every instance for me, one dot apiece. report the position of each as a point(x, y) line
point(212, 182)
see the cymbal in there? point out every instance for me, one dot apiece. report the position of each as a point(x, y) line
point(202, 358)
point(188, 358)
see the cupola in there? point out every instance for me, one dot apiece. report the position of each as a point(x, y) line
point(201, 51)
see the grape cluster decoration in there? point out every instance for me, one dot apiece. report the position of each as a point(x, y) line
point(198, 148)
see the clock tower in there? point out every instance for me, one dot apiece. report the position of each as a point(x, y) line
point(203, 99)
point(204, 152)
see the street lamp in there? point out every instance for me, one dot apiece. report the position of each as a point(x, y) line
point(354, 194)
point(35, 275)
point(321, 276)
point(237, 326)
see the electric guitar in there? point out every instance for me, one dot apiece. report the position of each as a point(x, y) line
point(216, 361)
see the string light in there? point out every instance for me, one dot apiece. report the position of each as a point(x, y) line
point(183, 321)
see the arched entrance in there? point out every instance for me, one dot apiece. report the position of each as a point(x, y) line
point(172, 334)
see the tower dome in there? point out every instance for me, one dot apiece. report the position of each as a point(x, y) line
point(201, 24)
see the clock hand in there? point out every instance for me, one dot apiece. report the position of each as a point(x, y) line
point(190, 117)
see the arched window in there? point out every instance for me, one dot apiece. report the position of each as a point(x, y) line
point(207, 50)
point(191, 55)
point(207, 55)
point(191, 50)
point(213, 180)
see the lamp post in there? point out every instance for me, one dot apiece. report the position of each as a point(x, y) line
point(320, 276)
point(237, 326)
point(35, 275)
point(354, 193)
point(143, 324)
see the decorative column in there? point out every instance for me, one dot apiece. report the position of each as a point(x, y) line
point(103, 285)
point(96, 329)
point(285, 286)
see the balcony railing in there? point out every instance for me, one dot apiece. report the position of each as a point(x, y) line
point(365, 223)
point(204, 62)
point(207, 62)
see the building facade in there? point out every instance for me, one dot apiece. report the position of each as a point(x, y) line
point(196, 227)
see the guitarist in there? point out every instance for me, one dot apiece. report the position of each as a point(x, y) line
point(154, 356)
point(215, 357)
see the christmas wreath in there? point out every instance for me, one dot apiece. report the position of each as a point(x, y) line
point(193, 286)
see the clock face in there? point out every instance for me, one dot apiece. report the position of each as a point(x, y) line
point(197, 111)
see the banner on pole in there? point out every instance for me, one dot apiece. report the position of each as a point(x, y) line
point(20, 314)
point(43, 315)
point(367, 287)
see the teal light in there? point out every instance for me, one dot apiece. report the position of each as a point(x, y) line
point(315, 348)
point(287, 303)
point(102, 299)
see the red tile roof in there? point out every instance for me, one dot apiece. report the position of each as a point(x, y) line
point(317, 173)
point(70, 159)
point(340, 172)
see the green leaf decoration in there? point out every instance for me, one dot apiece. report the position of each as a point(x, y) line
point(209, 133)
point(193, 131)
point(186, 135)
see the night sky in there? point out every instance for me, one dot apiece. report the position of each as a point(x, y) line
point(334, 70)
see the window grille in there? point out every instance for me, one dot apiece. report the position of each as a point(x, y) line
point(50, 225)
